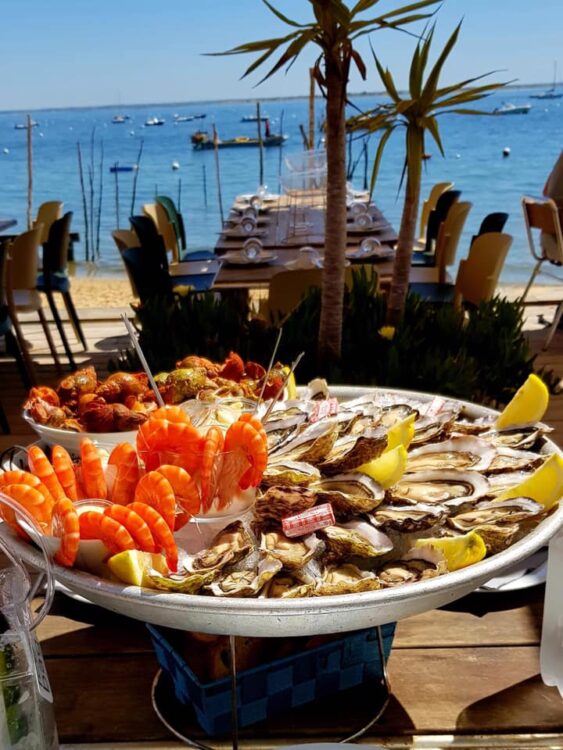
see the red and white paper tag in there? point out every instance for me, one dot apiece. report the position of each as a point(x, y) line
point(323, 409)
point(308, 521)
point(434, 407)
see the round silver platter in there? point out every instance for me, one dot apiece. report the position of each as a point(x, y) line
point(307, 616)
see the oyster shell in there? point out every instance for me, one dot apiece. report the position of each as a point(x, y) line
point(508, 459)
point(496, 537)
point(288, 586)
point(345, 579)
point(397, 572)
point(311, 444)
point(246, 582)
point(317, 390)
point(188, 584)
point(229, 546)
point(292, 553)
point(355, 539)
point(432, 428)
point(498, 483)
point(408, 518)
point(394, 413)
point(284, 423)
point(352, 451)
point(450, 488)
point(520, 438)
point(498, 514)
point(281, 501)
point(459, 453)
point(290, 473)
point(349, 494)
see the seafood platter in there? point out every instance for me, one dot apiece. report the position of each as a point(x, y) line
point(339, 509)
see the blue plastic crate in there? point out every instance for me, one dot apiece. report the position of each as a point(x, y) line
point(278, 685)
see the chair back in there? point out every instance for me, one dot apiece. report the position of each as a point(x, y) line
point(494, 222)
point(55, 250)
point(478, 274)
point(46, 214)
point(445, 201)
point(149, 276)
point(287, 289)
point(544, 216)
point(157, 213)
point(449, 235)
point(125, 238)
point(175, 218)
point(24, 254)
point(430, 204)
point(149, 237)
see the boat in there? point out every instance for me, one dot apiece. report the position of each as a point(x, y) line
point(551, 93)
point(183, 118)
point(253, 118)
point(512, 109)
point(199, 116)
point(117, 167)
point(201, 141)
point(152, 121)
point(23, 125)
point(120, 119)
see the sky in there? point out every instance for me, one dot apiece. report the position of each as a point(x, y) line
point(74, 53)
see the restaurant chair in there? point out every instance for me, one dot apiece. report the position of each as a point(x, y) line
point(437, 216)
point(21, 283)
point(449, 235)
point(543, 216)
point(123, 239)
point(494, 222)
point(47, 213)
point(149, 276)
point(287, 289)
point(429, 205)
point(54, 280)
point(477, 275)
point(175, 218)
point(156, 213)
point(149, 238)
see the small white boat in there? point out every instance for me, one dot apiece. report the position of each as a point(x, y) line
point(513, 109)
point(152, 121)
point(120, 119)
point(23, 125)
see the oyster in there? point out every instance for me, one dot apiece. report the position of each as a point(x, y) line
point(498, 483)
point(500, 514)
point(408, 518)
point(408, 571)
point(432, 428)
point(355, 539)
point(390, 415)
point(290, 473)
point(345, 579)
point(520, 438)
point(508, 459)
point(292, 553)
point(460, 453)
point(496, 537)
point(188, 584)
point(289, 586)
point(450, 488)
point(283, 424)
point(354, 450)
point(246, 582)
point(349, 494)
point(311, 444)
point(280, 501)
point(317, 390)
point(230, 545)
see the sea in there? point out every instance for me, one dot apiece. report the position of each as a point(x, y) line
point(474, 161)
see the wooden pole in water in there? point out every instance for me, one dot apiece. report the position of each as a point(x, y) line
point(84, 204)
point(116, 173)
point(280, 157)
point(136, 177)
point(204, 186)
point(29, 174)
point(260, 145)
point(218, 173)
point(311, 109)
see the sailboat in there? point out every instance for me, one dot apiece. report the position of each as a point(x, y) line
point(551, 93)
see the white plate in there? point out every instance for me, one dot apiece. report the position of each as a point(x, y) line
point(383, 253)
point(528, 573)
point(240, 259)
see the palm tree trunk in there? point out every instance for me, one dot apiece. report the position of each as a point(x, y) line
point(407, 232)
point(330, 331)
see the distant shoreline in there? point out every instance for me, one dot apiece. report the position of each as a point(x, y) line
point(253, 100)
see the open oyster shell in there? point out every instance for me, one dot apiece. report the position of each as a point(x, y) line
point(349, 494)
point(187, 584)
point(508, 512)
point(461, 453)
point(498, 483)
point(451, 488)
point(497, 537)
point(290, 473)
point(345, 579)
point(355, 539)
point(520, 438)
point(398, 572)
point(352, 451)
point(281, 501)
point(508, 459)
point(287, 585)
point(246, 582)
point(292, 553)
point(391, 415)
point(312, 444)
point(408, 518)
point(229, 546)
point(428, 429)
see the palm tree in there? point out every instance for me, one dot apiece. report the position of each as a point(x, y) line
point(335, 29)
point(416, 113)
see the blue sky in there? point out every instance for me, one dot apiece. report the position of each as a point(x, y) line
point(58, 53)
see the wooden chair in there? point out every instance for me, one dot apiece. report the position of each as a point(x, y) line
point(543, 215)
point(448, 237)
point(159, 216)
point(477, 275)
point(436, 217)
point(21, 284)
point(429, 205)
point(46, 214)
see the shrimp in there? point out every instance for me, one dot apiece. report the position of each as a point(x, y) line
point(243, 437)
point(40, 466)
point(65, 520)
point(124, 457)
point(160, 530)
point(30, 499)
point(17, 476)
point(247, 478)
point(169, 429)
point(93, 479)
point(96, 525)
point(64, 469)
point(155, 490)
point(210, 466)
point(185, 491)
point(134, 524)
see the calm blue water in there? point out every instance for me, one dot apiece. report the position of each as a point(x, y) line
point(473, 161)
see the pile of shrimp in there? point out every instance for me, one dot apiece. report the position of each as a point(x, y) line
point(151, 491)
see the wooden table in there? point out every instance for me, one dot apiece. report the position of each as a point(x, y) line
point(465, 673)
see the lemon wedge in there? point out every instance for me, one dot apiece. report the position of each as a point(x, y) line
point(290, 386)
point(401, 433)
point(528, 404)
point(132, 566)
point(458, 551)
point(388, 468)
point(545, 486)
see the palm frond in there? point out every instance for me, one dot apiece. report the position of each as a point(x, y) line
point(429, 90)
point(378, 156)
point(284, 18)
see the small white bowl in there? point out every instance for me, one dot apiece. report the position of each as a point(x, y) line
point(71, 440)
